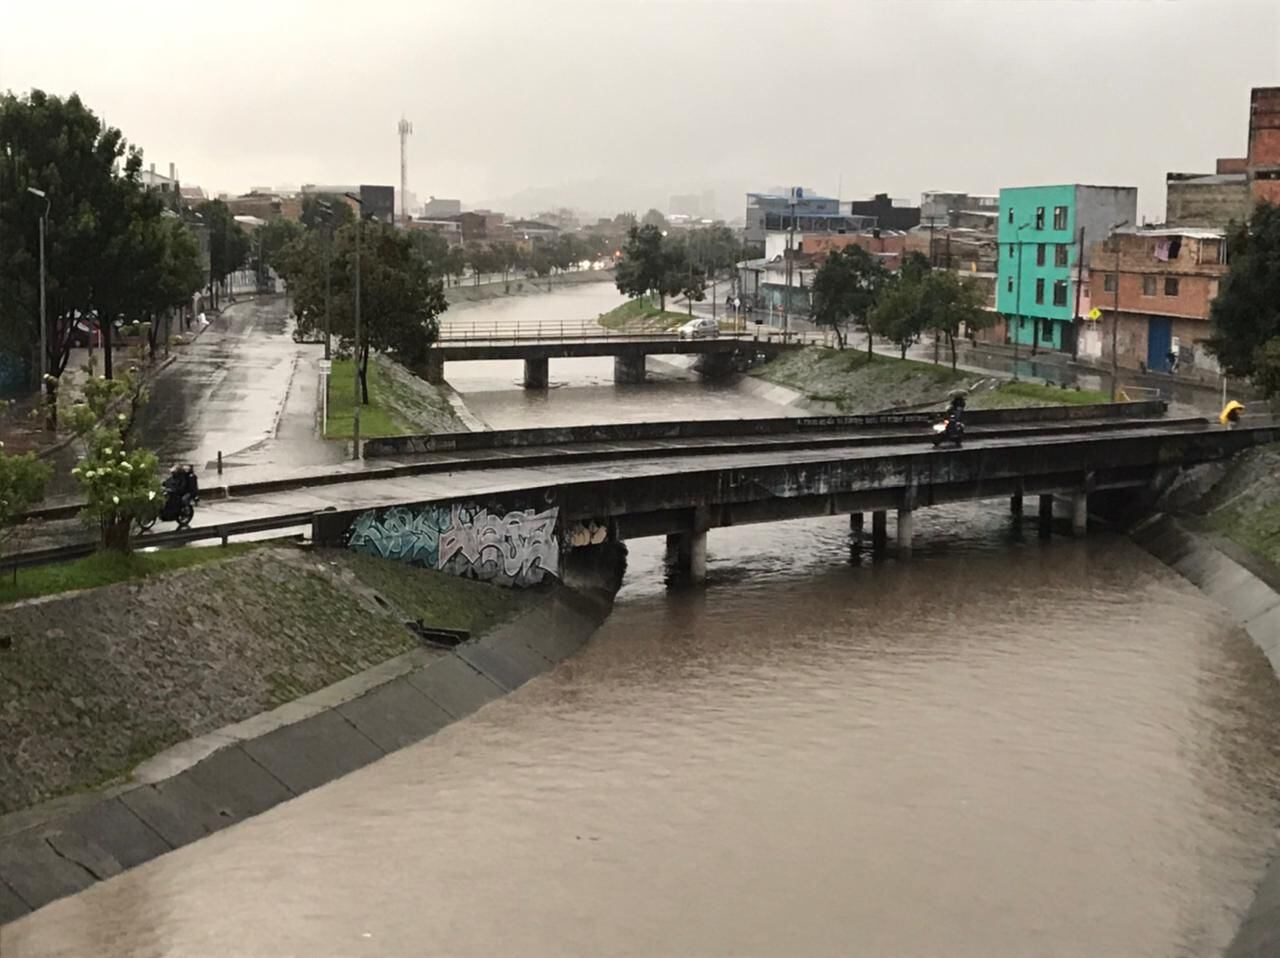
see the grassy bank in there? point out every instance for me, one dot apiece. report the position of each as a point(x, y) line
point(853, 383)
point(640, 314)
point(1245, 505)
point(856, 384)
point(400, 403)
point(103, 568)
point(1011, 394)
point(97, 681)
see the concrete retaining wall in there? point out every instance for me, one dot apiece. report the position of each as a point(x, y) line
point(1248, 592)
point(206, 784)
point(773, 426)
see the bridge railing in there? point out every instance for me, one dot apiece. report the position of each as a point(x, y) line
point(549, 331)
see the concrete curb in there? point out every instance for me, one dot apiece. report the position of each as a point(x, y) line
point(1255, 605)
point(205, 784)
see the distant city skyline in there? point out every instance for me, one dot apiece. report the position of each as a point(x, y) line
point(607, 111)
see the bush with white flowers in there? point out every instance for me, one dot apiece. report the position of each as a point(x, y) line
point(119, 478)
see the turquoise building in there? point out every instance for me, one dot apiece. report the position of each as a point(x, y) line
point(1043, 232)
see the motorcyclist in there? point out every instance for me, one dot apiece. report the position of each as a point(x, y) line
point(955, 409)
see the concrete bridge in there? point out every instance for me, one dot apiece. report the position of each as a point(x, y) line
point(628, 351)
point(497, 526)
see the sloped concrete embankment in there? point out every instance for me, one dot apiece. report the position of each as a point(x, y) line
point(207, 783)
point(1249, 593)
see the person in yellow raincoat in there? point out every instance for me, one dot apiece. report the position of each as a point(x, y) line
point(1231, 414)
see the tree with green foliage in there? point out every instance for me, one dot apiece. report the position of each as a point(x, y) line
point(401, 293)
point(950, 303)
point(271, 240)
point(1245, 316)
point(654, 218)
point(915, 265)
point(118, 477)
point(653, 264)
point(228, 243)
point(22, 482)
point(897, 316)
point(846, 288)
point(322, 210)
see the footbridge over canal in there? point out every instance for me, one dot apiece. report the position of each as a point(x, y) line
point(629, 350)
point(510, 525)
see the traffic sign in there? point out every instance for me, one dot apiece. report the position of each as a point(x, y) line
point(325, 366)
point(1095, 314)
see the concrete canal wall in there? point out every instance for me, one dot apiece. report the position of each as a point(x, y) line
point(210, 782)
point(1250, 592)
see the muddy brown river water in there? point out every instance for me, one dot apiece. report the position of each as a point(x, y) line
point(1000, 748)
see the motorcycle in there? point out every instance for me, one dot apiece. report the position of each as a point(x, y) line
point(950, 429)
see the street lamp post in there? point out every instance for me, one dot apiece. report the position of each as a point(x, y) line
point(44, 319)
point(1115, 313)
point(327, 210)
point(355, 413)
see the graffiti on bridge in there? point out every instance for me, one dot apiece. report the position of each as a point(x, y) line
point(516, 548)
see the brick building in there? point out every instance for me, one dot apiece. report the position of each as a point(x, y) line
point(1238, 183)
point(1162, 283)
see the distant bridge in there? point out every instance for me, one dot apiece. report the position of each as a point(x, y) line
point(538, 344)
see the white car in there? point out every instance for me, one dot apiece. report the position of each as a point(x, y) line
point(700, 329)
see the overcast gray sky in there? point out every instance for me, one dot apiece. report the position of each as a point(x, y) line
point(605, 104)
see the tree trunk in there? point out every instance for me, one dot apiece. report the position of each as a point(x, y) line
point(363, 372)
point(106, 327)
point(839, 336)
point(870, 343)
point(153, 330)
point(936, 334)
point(117, 535)
point(903, 347)
point(51, 403)
point(951, 341)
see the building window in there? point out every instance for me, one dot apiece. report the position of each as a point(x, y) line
point(1040, 254)
point(1109, 283)
point(1171, 286)
point(1040, 290)
point(1009, 285)
point(1148, 286)
point(1010, 251)
point(1060, 293)
point(1011, 216)
point(1059, 217)
point(1039, 217)
point(1046, 332)
point(1060, 255)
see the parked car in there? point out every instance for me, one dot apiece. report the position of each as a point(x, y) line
point(83, 332)
point(700, 329)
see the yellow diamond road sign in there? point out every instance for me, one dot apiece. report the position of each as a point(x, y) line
point(1095, 314)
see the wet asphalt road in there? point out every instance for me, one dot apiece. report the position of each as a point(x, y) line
point(244, 388)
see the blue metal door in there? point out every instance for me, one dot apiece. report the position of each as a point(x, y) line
point(1159, 340)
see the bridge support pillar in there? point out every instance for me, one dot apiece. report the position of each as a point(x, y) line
point(1046, 516)
point(1079, 513)
point(629, 368)
point(879, 530)
point(906, 528)
point(856, 525)
point(1015, 505)
point(435, 368)
point(536, 373)
point(687, 555)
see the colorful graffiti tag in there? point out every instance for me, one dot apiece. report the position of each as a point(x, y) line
point(516, 548)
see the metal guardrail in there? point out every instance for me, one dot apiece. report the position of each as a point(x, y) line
point(223, 530)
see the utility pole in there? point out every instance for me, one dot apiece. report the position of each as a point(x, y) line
point(43, 365)
point(355, 412)
point(326, 210)
point(1075, 340)
point(1017, 300)
point(1115, 314)
point(791, 242)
